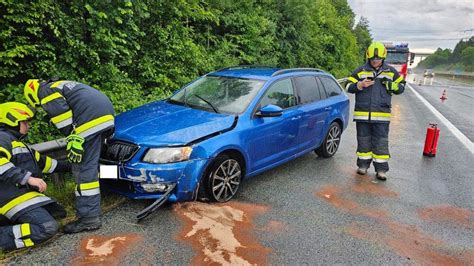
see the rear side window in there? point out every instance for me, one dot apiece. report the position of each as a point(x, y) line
point(306, 89)
point(331, 86)
point(280, 93)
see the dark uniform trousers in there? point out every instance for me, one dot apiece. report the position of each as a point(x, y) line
point(87, 179)
point(32, 227)
point(372, 145)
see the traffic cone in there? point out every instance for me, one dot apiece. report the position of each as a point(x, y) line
point(444, 96)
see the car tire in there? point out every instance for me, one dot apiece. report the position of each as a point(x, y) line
point(223, 178)
point(331, 142)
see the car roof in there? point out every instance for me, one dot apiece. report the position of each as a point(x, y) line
point(261, 73)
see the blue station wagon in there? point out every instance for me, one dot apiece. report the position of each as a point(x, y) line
point(229, 124)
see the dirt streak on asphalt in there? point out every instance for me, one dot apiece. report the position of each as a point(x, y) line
point(105, 250)
point(222, 233)
point(406, 240)
point(449, 214)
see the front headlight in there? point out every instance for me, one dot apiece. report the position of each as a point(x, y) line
point(167, 155)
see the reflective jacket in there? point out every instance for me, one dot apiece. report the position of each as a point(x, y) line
point(373, 104)
point(77, 107)
point(17, 163)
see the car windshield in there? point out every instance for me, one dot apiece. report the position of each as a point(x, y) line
point(396, 58)
point(219, 94)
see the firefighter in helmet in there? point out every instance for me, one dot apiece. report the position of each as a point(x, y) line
point(27, 216)
point(86, 117)
point(373, 84)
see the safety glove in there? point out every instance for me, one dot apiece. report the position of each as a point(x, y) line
point(390, 86)
point(74, 148)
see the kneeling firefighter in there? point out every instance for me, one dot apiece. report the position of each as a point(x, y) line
point(27, 216)
point(374, 83)
point(86, 117)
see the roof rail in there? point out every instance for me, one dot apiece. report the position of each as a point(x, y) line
point(283, 71)
point(243, 67)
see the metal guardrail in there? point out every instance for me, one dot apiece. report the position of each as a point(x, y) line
point(50, 146)
point(58, 145)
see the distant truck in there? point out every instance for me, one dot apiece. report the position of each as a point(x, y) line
point(398, 56)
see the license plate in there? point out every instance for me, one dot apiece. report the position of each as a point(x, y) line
point(108, 171)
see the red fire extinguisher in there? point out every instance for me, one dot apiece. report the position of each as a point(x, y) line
point(431, 141)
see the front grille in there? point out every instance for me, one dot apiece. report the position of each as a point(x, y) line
point(118, 151)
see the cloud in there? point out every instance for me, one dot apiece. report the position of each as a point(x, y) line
point(424, 24)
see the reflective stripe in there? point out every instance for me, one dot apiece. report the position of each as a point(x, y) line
point(16, 144)
point(54, 163)
point(51, 97)
point(380, 118)
point(28, 242)
point(380, 114)
point(23, 198)
point(95, 126)
point(89, 192)
point(351, 79)
point(25, 205)
point(25, 230)
point(6, 152)
point(48, 165)
point(364, 155)
point(6, 167)
point(399, 79)
point(64, 123)
point(57, 83)
point(364, 74)
point(381, 158)
point(61, 117)
point(90, 185)
point(17, 234)
point(4, 160)
point(37, 156)
point(20, 150)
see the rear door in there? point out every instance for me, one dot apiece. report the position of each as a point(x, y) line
point(314, 108)
point(272, 139)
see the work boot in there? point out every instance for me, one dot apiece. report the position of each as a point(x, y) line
point(83, 224)
point(362, 171)
point(381, 176)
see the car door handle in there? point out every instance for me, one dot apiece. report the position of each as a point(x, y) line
point(328, 108)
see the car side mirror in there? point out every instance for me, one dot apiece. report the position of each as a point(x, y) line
point(270, 111)
point(412, 58)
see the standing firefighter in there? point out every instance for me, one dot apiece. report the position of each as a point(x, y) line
point(373, 84)
point(26, 214)
point(86, 117)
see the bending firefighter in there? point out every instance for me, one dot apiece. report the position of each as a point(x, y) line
point(374, 83)
point(86, 117)
point(26, 214)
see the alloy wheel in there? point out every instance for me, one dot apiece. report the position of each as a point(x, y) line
point(226, 180)
point(333, 139)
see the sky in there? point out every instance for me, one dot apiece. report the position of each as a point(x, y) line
point(424, 24)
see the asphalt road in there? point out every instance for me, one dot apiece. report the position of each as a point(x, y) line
point(309, 211)
point(459, 106)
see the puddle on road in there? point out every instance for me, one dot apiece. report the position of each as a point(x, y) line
point(366, 184)
point(105, 250)
point(222, 233)
point(448, 213)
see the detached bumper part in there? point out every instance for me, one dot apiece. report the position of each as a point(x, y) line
point(155, 205)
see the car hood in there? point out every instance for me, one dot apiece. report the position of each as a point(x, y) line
point(161, 124)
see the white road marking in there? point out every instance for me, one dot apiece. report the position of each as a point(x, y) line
point(456, 132)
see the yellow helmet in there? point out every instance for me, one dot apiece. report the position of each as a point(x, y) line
point(11, 113)
point(31, 92)
point(376, 49)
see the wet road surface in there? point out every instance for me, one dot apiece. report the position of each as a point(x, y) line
point(308, 211)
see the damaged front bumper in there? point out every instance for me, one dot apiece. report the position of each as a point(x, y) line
point(152, 181)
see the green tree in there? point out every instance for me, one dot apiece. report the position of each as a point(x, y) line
point(362, 33)
point(467, 58)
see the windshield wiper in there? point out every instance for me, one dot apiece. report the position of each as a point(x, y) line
point(210, 104)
